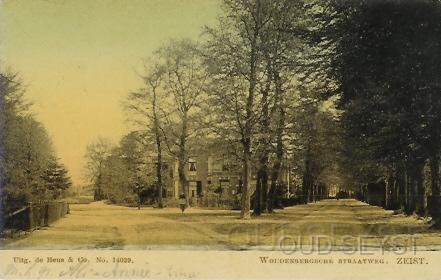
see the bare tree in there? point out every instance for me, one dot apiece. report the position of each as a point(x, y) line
point(184, 84)
point(234, 58)
point(146, 104)
point(282, 45)
point(96, 154)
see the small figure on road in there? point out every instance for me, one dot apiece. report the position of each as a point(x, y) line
point(182, 202)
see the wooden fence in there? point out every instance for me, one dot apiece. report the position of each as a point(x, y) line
point(35, 216)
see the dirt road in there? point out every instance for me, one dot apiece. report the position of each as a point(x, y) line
point(340, 224)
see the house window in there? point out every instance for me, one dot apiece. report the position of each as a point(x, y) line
point(192, 166)
point(199, 188)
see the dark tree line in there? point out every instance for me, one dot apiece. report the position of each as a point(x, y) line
point(387, 64)
point(30, 170)
point(343, 93)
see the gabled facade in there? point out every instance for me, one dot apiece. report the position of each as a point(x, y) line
point(210, 175)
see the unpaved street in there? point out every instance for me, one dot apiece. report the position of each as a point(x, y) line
point(342, 223)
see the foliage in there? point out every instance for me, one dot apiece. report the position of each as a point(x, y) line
point(30, 170)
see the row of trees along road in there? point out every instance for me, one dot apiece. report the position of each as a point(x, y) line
point(238, 89)
point(386, 63)
point(342, 92)
point(30, 170)
point(168, 109)
point(236, 86)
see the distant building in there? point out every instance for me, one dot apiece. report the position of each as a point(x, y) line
point(211, 175)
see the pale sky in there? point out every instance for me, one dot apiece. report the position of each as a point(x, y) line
point(79, 60)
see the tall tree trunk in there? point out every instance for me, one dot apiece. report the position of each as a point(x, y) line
point(434, 201)
point(249, 116)
point(181, 159)
point(415, 187)
point(314, 192)
point(307, 181)
point(420, 190)
point(158, 151)
point(182, 178)
point(260, 199)
point(387, 190)
point(410, 193)
point(257, 209)
point(434, 174)
point(305, 184)
point(391, 198)
point(273, 188)
point(245, 210)
point(395, 193)
point(401, 185)
point(279, 143)
point(307, 178)
point(265, 189)
point(159, 170)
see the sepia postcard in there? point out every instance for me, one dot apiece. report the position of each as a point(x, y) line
point(220, 139)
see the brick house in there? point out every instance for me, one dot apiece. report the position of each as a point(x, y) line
point(213, 180)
